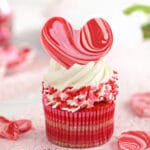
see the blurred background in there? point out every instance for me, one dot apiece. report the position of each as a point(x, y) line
point(29, 16)
point(130, 53)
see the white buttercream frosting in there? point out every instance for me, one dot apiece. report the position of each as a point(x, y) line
point(78, 75)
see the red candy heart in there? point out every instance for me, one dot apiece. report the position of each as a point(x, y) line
point(69, 46)
point(24, 125)
point(134, 140)
point(11, 56)
point(11, 129)
point(8, 129)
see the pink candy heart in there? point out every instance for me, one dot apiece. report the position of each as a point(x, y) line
point(134, 140)
point(140, 103)
point(12, 58)
point(12, 129)
point(69, 46)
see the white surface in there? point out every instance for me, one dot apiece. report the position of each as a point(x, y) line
point(129, 54)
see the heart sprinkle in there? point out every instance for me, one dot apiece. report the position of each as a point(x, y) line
point(69, 46)
point(134, 140)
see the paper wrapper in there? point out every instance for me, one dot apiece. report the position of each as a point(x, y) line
point(81, 129)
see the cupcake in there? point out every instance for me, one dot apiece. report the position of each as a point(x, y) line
point(79, 89)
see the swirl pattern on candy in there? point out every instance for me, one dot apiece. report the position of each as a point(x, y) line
point(69, 46)
point(134, 140)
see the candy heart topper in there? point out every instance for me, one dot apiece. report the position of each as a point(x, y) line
point(69, 46)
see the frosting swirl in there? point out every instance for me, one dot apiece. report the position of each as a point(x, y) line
point(78, 75)
point(80, 86)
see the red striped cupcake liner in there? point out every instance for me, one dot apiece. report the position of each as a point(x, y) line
point(82, 129)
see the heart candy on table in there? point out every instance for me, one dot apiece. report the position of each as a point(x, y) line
point(69, 46)
point(5, 35)
point(11, 58)
point(8, 129)
point(24, 125)
point(12, 129)
point(134, 140)
point(140, 102)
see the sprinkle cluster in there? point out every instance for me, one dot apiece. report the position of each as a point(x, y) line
point(73, 99)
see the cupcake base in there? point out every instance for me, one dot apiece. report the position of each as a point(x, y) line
point(84, 128)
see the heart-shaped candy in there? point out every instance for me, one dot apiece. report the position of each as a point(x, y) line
point(11, 56)
point(11, 129)
point(134, 140)
point(69, 46)
point(140, 102)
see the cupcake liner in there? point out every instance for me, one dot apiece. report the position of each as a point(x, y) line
point(84, 128)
